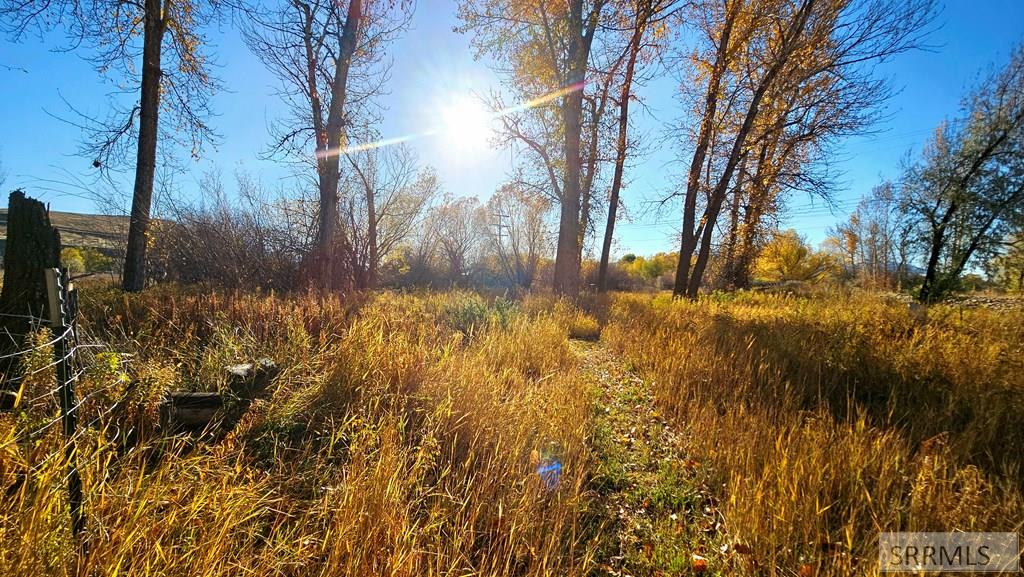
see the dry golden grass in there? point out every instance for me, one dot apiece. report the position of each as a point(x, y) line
point(401, 438)
point(404, 432)
point(827, 421)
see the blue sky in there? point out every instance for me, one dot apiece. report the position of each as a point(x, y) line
point(433, 68)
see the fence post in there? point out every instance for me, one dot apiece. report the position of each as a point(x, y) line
point(62, 326)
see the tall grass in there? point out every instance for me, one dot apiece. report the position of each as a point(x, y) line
point(402, 437)
point(826, 421)
point(404, 433)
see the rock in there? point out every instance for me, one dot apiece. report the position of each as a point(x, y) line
point(249, 380)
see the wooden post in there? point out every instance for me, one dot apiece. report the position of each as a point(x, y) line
point(62, 326)
point(32, 245)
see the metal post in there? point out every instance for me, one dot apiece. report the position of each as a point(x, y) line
point(61, 324)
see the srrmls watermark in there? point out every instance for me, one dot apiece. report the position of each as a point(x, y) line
point(953, 552)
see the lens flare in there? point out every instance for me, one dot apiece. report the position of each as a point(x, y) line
point(464, 120)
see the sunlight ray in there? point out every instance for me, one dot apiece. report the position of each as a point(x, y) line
point(539, 101)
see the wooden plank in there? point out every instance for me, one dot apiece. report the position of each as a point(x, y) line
point(190, 410)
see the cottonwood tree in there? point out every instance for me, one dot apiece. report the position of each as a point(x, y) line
point(787, 257)
point(788, 141)
point(154, 48)
point(546, 52)
point(1007, 267)
point(628, 28)
point(535, 133)
point(795, 73)
point(645, 22)
point(385, 195)
point(329, 56)
point(967, 190)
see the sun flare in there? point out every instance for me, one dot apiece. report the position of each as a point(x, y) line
point(466, 124)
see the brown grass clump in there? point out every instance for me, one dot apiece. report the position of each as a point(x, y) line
point(831, 420)
point(402, 437)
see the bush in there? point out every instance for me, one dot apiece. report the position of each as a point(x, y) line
point(787, 257)
point(227, 246)
point(71, 258)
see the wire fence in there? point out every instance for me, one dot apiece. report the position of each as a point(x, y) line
point(69, 359)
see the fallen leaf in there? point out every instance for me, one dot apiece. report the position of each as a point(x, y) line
point(699, 564)
point(806, 570)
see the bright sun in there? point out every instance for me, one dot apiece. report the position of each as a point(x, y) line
point(466, 124)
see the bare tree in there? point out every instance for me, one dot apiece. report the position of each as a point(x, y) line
point(329, 57)
point(518, 232)
point(155, 47)
point(386, 195)
point(456, 223)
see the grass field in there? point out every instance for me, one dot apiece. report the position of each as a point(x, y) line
point(453, 434)
point(827, 421)
point(82, 230)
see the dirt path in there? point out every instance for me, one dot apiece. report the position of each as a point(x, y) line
point(659, 517)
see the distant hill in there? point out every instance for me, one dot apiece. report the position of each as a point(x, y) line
point(100, 231)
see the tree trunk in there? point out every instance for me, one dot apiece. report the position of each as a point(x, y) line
point(329, 234)
point(566, 277)
point(688, 241)
point(32, 245)
point(730, 269)
point(936, 245)
point(134, 277)
point(928, 286)
point(704, 253)
point(621, 147)
point(744, 261)
point(372, 263)
point(732, 241)
point(567, 255)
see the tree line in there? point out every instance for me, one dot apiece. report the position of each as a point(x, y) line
point(769, 87)
point(958, 206)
